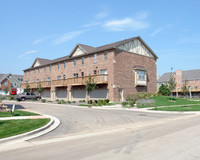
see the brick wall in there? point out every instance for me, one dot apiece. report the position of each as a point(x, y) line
point(8, 85)
point(124, 74)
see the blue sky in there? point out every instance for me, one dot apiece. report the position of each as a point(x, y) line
point(51, 28)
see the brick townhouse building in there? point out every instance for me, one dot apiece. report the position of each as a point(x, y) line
point(120, 68)
point(191, 78)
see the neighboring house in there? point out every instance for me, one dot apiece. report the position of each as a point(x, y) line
point(120, 68)
point(191, 78)
point(10, 81)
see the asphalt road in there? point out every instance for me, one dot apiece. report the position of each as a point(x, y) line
point(113, 135)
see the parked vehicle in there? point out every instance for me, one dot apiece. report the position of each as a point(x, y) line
point(27, 96)
point(13, 91)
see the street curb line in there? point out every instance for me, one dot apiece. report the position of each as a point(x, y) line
point(34, 133)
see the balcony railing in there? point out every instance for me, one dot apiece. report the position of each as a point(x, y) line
point(44, 84)
point(99, 79)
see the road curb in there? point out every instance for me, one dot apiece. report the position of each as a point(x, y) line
point(53, 124)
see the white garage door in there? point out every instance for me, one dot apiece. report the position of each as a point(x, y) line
point(79, 93)
point(46, 93)
point(99, 93)
point(61, 93)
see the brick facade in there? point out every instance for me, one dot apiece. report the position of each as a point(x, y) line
point(119, 65)
point(7, 86)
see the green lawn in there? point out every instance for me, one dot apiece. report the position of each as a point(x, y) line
point(180, 108)
point(17, 113)
point(14, 127)
point(165, 101)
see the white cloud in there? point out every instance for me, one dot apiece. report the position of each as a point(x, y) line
point(157, 31)
point(101, 15)
point(91, 24)
point(43, 39)
point(126, 24)
point(66, 37)
point(25, 54)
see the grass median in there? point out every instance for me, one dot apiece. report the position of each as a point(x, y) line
point(179, 108)
point(15, 127)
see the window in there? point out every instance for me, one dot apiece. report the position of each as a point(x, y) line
point(45, 68)
point(38, 70)
point(50, 68)
point(64, 77)
point(6, 83)
point(27, 94)
point(58, 77)
point(58, 65)
point(64, 64)
point(74, 62)
point(49, 79)
point(32, 94)
point(82, 74)
point(105, 56)
point(195, 87)
point(104, 71)
point(95, 58)
point(75, 75)
point(82, 60)
point(141, 75)
point(38, 80)
point(95, 71)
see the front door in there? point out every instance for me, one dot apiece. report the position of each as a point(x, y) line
point(121, 98)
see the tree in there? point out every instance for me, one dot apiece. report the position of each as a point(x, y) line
point(27, 89)
point(40, 89)
point(164, 90)
point(185, 91)
point(171, 84)
point(90, 86)
point(6, 90)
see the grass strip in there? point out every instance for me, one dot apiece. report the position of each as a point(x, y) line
point(15, 127)
point(17, 113)
point(179, 108)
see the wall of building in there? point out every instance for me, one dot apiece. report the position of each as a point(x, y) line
point(8, 85)
point(124, 75)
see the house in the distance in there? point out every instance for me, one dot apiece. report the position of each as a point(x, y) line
point(120, 68)
point(10, 81)
point(191, 78)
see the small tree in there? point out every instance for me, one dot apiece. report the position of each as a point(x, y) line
point(164, 90)
point(6, 90)
point(171, 84)
point(27, 89)
point(90, 86)
point(185, 91)
point(40, 89)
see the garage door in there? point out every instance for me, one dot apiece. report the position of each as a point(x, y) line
point(79, 93)
point(99, 93)
point(61, 93)
point(46, 93)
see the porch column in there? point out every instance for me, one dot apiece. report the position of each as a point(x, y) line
point(53, 93)
point(69, 93)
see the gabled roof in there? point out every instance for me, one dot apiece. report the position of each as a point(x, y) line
point(91, 50)
point(4, 76)
point(42, 61)
point(186, 75)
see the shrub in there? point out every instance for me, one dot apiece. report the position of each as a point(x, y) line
point(125, 104)
point(107, 100)
point(11, 97)
point(57, 100)
point(33, 100)
point(43, 100)
point(95, 101)
point(69, 102)
point(90, 102)
point(50, 101)
point(82, 101)
point(164, 90)
point(73, 101)
point(100, 103)
point(63, 102)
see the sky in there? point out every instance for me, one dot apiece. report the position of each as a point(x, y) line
point(51, 28)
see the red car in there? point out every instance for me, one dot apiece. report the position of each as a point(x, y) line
point(13, 91)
